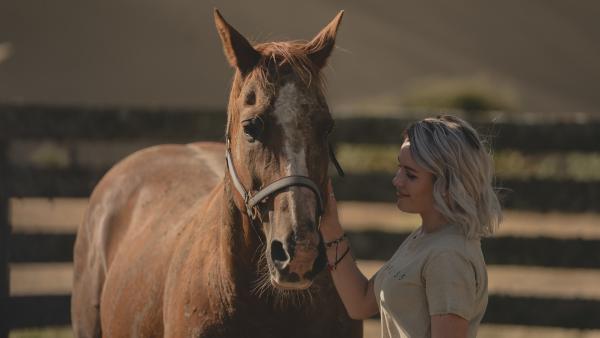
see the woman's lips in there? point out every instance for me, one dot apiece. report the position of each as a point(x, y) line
point(401, 195)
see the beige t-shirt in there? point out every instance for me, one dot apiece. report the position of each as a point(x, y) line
point(431, 274)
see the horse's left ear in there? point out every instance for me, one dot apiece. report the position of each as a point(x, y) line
point(321, 46)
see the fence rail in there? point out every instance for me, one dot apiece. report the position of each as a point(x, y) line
point(532, 194)
point(62, 123)
point(25, 122)
point(369, 245)
point(32, 311)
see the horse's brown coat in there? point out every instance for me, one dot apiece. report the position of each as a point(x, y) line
point(166, 248)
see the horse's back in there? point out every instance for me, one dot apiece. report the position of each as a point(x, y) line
point(135, 205)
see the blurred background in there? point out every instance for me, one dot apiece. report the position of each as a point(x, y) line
point(83, 84)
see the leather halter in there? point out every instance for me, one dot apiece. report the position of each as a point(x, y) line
point(251, 201)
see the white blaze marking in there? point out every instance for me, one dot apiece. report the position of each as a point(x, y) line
point(287, 113)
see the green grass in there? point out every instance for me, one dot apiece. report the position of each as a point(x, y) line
point(51, 332)
point(585, 167)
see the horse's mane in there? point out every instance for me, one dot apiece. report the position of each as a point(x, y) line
point(288, 56)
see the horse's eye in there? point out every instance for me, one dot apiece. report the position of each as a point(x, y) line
point(250, 99)
point(253, 128)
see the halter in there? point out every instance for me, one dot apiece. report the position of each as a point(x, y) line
point(251, 201)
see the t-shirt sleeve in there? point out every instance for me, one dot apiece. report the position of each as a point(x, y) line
point(450, 284)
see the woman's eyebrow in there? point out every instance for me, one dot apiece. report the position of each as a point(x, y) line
point(412, 170)
point(409, 168)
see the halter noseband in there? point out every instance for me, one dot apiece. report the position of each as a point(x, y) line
point(251, 201)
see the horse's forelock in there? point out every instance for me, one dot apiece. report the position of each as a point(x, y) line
point(292, 55)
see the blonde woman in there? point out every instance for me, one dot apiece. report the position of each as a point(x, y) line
point(435, 285)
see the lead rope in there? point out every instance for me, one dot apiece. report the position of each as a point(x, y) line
point(337, 165)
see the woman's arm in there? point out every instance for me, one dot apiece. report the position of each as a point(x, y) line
point(448, 326)
point(353, 287)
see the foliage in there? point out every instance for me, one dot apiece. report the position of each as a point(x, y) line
point(470, 95)
point(50, 155)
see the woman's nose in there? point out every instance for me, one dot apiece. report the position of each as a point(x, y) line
point(396, 180)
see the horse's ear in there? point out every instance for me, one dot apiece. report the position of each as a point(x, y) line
point(238, 50)
point(321, 46)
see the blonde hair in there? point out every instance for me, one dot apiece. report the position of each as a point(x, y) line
point(463, 170)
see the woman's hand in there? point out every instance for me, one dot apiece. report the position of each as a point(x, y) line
point(353, 287)
point(330, 223)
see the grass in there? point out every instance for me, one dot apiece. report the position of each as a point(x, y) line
point(50, 332)
point(364, 158)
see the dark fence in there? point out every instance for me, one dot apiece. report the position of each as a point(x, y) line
point(160, 126)
point(61, 123)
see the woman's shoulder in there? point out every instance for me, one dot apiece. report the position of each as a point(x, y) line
point(452, 241)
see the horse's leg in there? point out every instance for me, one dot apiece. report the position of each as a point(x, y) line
point(88, 278)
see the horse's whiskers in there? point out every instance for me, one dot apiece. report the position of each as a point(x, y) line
point(280, 298)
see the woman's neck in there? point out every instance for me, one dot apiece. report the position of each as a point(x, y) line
point(433, 221)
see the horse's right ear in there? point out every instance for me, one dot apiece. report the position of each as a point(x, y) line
point(238, 50)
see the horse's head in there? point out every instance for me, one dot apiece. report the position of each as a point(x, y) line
point(278, 122)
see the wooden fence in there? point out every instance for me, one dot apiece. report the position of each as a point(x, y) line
point(74, 124)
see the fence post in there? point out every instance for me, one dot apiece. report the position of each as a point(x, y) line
point(4, 240)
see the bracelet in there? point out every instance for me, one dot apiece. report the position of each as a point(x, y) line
point(336, 241)
point(333, 266)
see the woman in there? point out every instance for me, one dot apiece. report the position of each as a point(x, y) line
point(435, 285)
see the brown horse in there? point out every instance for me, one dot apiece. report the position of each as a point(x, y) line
point(181, 241)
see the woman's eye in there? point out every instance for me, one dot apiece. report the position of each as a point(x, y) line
point(253, 128)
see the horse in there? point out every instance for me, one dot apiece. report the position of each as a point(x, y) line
point(221, 240)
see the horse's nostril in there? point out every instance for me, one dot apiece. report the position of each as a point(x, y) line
point(278, 254)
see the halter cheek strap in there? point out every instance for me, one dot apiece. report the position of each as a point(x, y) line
point(250, 201)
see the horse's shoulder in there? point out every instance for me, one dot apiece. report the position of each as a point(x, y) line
point(152, 186)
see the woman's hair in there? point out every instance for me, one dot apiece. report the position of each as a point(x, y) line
point(463, 170)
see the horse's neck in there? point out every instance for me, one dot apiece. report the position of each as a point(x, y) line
point(236, 243)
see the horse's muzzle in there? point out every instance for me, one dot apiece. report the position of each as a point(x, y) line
point(296, 263)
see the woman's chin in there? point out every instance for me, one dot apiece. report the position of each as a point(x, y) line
point(401, 205)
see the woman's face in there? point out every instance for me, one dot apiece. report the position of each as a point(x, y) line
point(414, 185)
